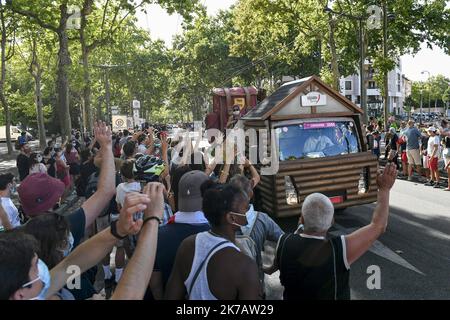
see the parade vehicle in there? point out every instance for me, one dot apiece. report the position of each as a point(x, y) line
point(224, 99)
point(316, 136)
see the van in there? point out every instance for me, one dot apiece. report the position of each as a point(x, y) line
point(316, 137)
point(15, 133)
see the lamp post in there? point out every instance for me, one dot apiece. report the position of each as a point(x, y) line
point(429, 93)
point(421, 101)
point(361, 58)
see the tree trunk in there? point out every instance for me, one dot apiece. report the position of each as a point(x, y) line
point(40, 112)
point(63, 80)
point(2, 83)
point(36, 72)
point(85, 51)
point(87, 87)
point(333, 51)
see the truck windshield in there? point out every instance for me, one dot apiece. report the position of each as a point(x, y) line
point(316, 140)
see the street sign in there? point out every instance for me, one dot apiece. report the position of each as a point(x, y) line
point(136, 113)
point(313, 99)
point(114, 110)
point(136, 104)
point(119, 122)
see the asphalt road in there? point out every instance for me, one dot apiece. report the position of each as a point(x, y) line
point(414, 253)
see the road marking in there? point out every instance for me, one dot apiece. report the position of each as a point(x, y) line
point(379, 249)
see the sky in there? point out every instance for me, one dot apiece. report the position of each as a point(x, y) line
point(162, 26)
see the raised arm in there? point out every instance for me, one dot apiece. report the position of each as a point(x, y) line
point(106, 187)
point(91, 252)
point(135, 279)
point(358, 242)
point(255, 175)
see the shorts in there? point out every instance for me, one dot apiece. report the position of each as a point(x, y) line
point(103, 223)
point(433, 163)
point(425, 162)
point(404, 157)
point(413, 156)
point(446, 155)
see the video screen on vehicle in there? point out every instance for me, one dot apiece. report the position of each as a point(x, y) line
point(316, 140)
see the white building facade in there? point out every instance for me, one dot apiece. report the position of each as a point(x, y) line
point(350, 88)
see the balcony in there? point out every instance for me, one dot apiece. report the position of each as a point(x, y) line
point(373, 92)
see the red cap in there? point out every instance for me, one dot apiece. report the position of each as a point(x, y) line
point(39, 193)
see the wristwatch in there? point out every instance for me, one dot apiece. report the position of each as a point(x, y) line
point(114, 231)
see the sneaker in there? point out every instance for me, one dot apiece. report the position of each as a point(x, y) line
point(410, 179)
point(447, 189)
point(436, 186)
point(429, 183)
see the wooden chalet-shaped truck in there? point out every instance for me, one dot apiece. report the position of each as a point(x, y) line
point(319, 143)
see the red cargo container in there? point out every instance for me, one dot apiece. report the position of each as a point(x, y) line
point(223, 101)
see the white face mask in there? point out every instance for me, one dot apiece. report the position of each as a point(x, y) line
point(39, 158)
point(44, 276)
point(236, 113)
point(239, 214)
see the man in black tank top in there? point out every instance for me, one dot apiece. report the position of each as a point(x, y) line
point(314, 267)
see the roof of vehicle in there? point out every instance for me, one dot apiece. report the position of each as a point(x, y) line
point(283, 94)
point(236, 91)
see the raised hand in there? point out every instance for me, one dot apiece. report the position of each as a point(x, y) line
point(386, 179)
point(134, 203)
point(103, 134)
point(155, 192)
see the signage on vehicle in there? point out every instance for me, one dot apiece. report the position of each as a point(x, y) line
point(313, 99)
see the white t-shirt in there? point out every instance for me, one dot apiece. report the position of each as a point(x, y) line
point(124, 188)
point(431, 142)
point(11, 212)
point(141, 149)
point(38, 168)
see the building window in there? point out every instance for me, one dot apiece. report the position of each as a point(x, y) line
point(348, 85)
point(372, 85)
point(358, 100)
point(349, 97)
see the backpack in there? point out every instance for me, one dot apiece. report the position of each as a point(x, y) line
point(246, 243)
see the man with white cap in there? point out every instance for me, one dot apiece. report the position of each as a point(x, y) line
point(313, 266)
point(432, 152)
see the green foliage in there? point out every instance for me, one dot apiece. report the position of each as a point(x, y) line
point(256, 42)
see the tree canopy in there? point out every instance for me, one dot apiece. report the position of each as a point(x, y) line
point(110, 61)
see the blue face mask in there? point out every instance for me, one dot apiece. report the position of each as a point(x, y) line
point(44, 277)
point(251, 217)
point(69, 248)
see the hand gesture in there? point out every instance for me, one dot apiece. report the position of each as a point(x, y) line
point(154, 191)
point(134, 203)
point(386, 179)
point(164, 143)
point(103, 134)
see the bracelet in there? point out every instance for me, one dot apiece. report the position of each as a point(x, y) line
point(151, 218)
point(114, 231)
